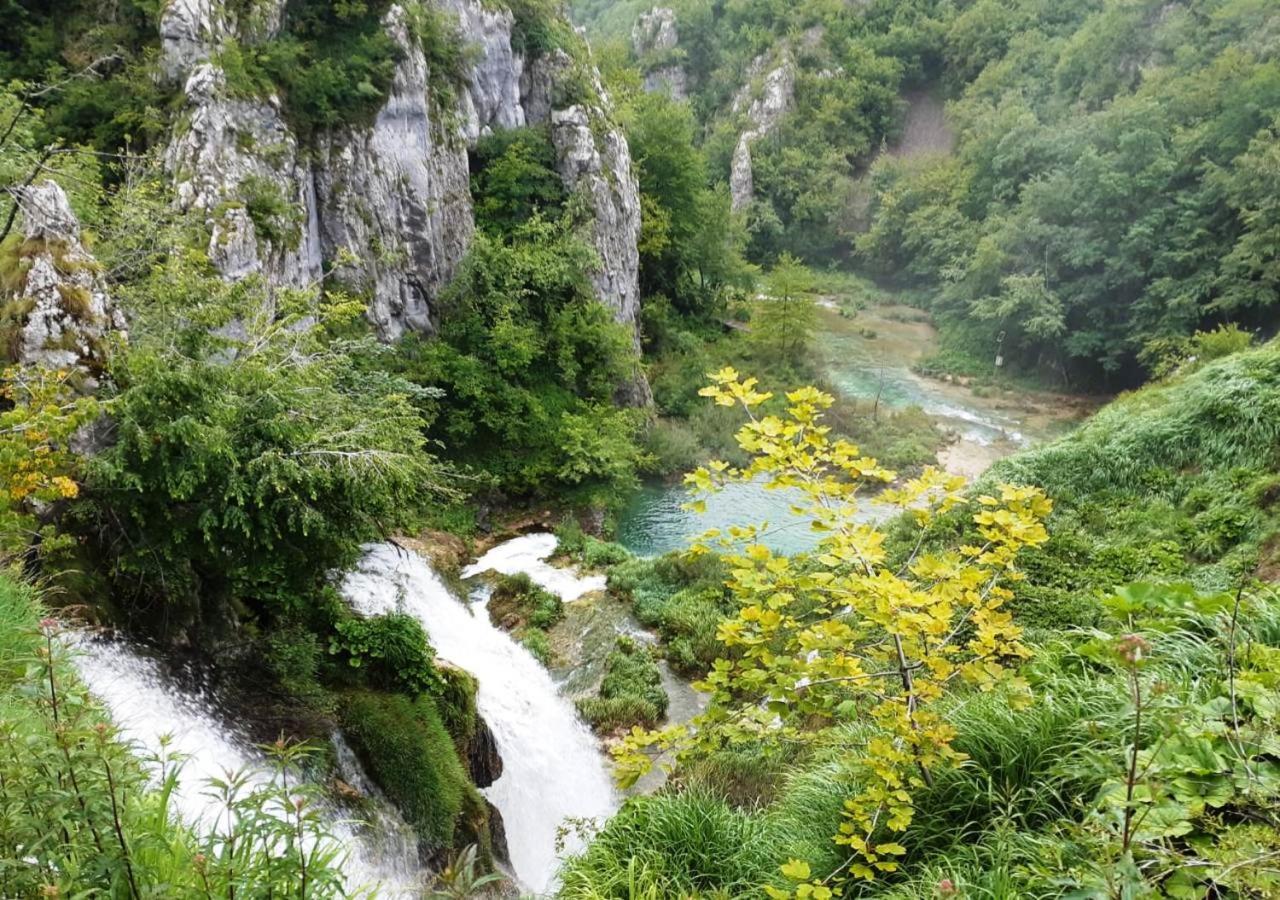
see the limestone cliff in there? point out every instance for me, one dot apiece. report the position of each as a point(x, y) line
point(764, 101)
point(386, 206)
point(655, 40)
point(61, 312)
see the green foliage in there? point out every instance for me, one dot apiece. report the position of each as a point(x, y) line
point(1080, 183)
point(407, 751)
point(529, 362)
point(89, 77)
point(782, 324)
point(275, 218)
point(514, 178)
point(247, 461)
point(683, 598)
point(78, 816)
point(690, 246)
point(391, 651)
point(538, 643)
point(334, 64)
point(517, 601)
point(631, 693)
point(461, 878)
point(1164, 356)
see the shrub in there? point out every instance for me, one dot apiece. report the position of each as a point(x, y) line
point(274, 218)
point(599, 554)
point(631, 692)
point(517, 602)
point(405, 748)
point(672, 447)
point(391, 651)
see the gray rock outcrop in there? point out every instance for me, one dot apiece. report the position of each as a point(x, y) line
point(655, 39)
point(66, 312)
point(764, 110)
point(396, 198)
point(387, 206)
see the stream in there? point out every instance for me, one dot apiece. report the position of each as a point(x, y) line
point(873, 371)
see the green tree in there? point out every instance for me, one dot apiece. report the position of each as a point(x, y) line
point(527, 362)
point(250, 453)
point(783, 322)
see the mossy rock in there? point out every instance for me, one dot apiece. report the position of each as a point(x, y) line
point(517, 602)
point(408, 752)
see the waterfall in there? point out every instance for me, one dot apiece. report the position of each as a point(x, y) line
point(528, 554)
point(159, 718)
point(553, 772)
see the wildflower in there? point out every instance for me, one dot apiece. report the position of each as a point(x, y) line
point(1133, 648)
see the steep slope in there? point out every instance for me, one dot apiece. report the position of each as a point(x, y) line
point(385, 204)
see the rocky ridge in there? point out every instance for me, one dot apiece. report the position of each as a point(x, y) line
point(386, 206)
point(61, 308)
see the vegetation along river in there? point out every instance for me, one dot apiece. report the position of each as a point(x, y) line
point(868, 358)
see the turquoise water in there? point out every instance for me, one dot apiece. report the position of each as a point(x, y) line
point(655, 521)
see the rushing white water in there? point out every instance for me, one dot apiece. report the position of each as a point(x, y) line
point(160, 719)
point(528, 554)
point(553, 772)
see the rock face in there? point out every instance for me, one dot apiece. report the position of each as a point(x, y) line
point(397, 197)
point(394, 195)
point(655, 38)
point(232, 157)
point(764, 111)
point(484, 762)
point(66, 310)
point(601, 171)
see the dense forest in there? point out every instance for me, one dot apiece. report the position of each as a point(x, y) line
point(1107, 193)
point(309, 309)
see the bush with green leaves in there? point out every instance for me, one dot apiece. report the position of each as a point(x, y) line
point(249, 452)
point(80, 817)
point(391, 652)
point(529, 363)
point(513, 178)
point(631, 692)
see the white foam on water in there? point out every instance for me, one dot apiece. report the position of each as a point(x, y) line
point(528, 554)
point(158, 718)
point(553, 772)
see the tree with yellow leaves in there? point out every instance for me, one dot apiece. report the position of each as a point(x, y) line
point(40, 411)
point(844, 631)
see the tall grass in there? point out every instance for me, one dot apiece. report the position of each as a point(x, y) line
point(78, 817)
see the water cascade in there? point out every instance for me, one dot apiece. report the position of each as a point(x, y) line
point(528, 554)
point(553, 772)
point(158, 717)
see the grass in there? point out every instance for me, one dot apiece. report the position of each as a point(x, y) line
point(631, 692)
point(683, 598)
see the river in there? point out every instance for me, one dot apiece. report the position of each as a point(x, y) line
point(876, 372)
